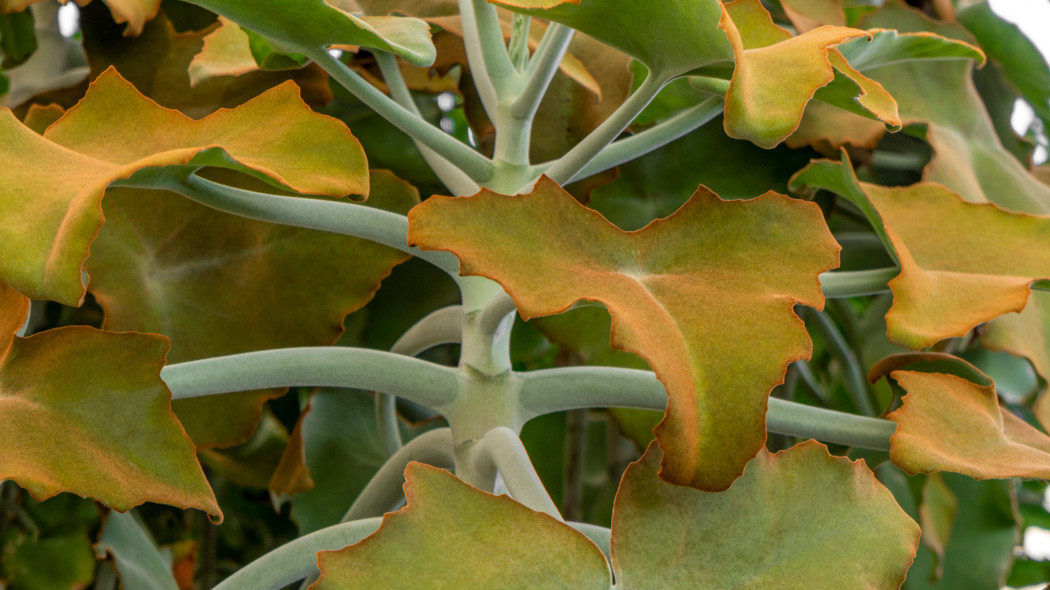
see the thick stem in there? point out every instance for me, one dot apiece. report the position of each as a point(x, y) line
point(384, 227)
point(501, 451)
point(653, 138)
point(473, 164)
point(427, 384)
point(297, 559)
point(541, 70)
point(444, 326)
point(383, 491)
point(569, 165)
point(478, 44)
point(454, 179)
point(854, 283)
point(557, 390)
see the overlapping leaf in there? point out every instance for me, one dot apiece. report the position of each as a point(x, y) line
point(949, 423)
point(454, 536)
point(961, 263)
point(53, 218)
point(85, 411)
point(138, 561)
point(808, 520)
point(157, 266)
point(133, 12)
point(311, 26)
point(777, 74)
point(678, 291)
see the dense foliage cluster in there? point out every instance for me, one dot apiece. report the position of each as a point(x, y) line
point(521, 293)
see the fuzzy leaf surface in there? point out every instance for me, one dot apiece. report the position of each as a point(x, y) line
point(85, 411)
point(49, 220)
point(451, 535)
point(668, 536)
point(961, 263)
point(165, 264)
point(675, 291)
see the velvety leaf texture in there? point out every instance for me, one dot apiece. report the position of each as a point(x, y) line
point(160, 266)
point(961, 263)
point(85, 411)
point(798, 519)
point(454, 536)
point(684, 292)
point(49, 220)
point(947, 423)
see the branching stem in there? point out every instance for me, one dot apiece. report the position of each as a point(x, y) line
point(502, 451)
point(556, 390)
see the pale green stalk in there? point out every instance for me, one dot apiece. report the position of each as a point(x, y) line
point(443, 326)
point(541, 70)
point(501, 451)
point(556, 390)
point(495, 313)
point(297, 559)
point(479, 44)
point(428, 384)
point(629, 148)
point(570, 164)
point(453, 178)
point(384, 490)
point(377, 225)
point(854, 283)
point(518, 45)
point(473, 164)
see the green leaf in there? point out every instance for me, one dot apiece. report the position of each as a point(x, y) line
point(311, 26)
point(138, 562)
point(54, 217)
point(671, 40)
point(798, 519)
point(1022, 63)
point(454, 536)
point(157, 267)
point(676, 293)
point(63, 560)
point(937, 514)
point(17, 38)
point(86, 412)
point(961, 263)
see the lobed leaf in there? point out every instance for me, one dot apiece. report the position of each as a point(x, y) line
point(678, 290)
point(158, 266)
point(810, 521)
point(451, 535)
point(961, 263)
point(54, 217)
point(85, 411)
point(948, 423)
point(310, 26)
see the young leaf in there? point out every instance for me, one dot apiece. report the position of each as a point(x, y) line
point(777, 74)
point(454, 536)
point(808, 520)
point(685, 293)
point(961, 263)
point(158, 266)
point(54, 217)
point(86, 412)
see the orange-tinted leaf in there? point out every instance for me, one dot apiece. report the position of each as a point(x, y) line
point(810, 14)
point(158, 266)
point(1026, 333)
point(158, 64)
point(961, 263)
point(86, 412)
point(38, 118)
point(226, 52)
point(454, 536)
point(948, 423)
point(677, 291)
point(133, 12)
point(808, 521)
point(53, 218)
point(777, 74)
